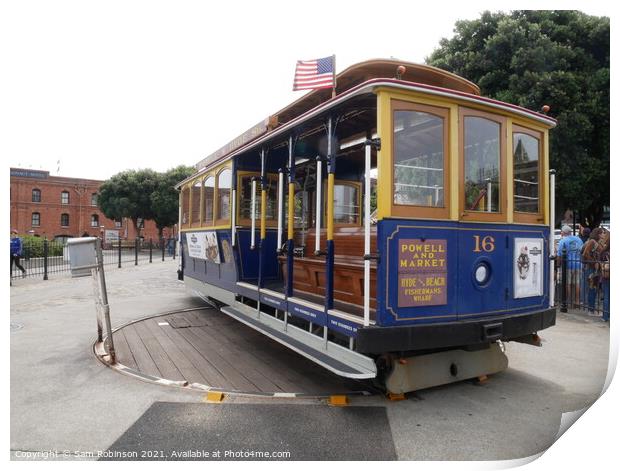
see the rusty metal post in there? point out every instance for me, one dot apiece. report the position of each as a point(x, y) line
point(135, 246)
point(163, 249)
point(151, 250)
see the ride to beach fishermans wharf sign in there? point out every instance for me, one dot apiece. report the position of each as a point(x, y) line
point(422, 272)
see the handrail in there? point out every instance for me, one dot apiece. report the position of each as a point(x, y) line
point(319, 185)
point(280, 206)
point(367, 235)
point(253, 216)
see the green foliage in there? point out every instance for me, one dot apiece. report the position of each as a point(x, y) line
point(165, 199)
point(557, 58)
point(144, 194)
point(128, 194)
point(32, 247)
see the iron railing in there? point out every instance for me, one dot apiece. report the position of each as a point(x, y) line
point(582, 284)
point(42, 258)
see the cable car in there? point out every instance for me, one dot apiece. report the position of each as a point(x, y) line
point(395, 230)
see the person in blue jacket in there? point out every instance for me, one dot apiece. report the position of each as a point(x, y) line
point(570, 247)
point(16, 252)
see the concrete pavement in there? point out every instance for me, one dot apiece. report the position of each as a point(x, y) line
point(63, 399)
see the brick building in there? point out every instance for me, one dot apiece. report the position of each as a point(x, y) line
point(61, 207)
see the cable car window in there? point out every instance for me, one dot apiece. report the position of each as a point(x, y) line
point(482, 164)
point(185, 206)
point(245, 197)
point(195, 197)
point(418, 159)
point(224, 180)
point(209, 190)
point(526, 157)
point(303, 213)
point(346, 204)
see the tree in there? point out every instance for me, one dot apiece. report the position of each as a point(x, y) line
point(128, 194)
point(558, 58)
point(165, 199)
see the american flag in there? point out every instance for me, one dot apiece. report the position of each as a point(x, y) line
point(317, 73)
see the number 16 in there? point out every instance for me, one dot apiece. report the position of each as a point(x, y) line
point(486, 245)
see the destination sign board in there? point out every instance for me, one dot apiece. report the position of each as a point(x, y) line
point(422, 272)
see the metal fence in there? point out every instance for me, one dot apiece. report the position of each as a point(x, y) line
point(41, 257)
point(582, 284)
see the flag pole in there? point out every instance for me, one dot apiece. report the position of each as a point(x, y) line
point(334, 72)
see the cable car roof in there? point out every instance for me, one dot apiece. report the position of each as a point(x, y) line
point(360, 78)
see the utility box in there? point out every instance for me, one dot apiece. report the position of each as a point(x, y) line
point(82, 255)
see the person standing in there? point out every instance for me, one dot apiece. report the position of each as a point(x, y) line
point(590, 256)
point(16, 253)
point(605, 267)
point(584, 234)
point(570, 246)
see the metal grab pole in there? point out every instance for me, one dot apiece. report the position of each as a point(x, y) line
point(253, 213)
point(489, 190)
point(367, 236)
point(290, 247)
point(551, 238)
point(233, 219)
point(280, 207)
point(119, 251)
point(319, 186)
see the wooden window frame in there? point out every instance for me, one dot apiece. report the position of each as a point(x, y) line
point(192, 186)
point(522, 216)
point(216, 198)
point(68, 220)
point(358, 187)
point(32, 219)
point(247, 221)
point(65, 192)
point(38, 192)
point(482, 216)
point(188, 189)
point(411, 211)
point(203, 201)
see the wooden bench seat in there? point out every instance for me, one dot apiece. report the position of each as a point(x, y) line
point(309, 271)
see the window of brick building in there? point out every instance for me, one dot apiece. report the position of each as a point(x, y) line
point(64, 197)
point(36, 195)
point(93, 199)
point(36, 219)
point(94, 220)
point(64, 220)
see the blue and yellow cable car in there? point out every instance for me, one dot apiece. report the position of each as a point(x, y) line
point(397, 230)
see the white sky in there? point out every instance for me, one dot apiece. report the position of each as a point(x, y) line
point(107, 86)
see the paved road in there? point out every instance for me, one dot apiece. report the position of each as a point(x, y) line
point(63, 399)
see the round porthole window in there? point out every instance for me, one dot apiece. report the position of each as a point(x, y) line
point(482, 273)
